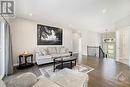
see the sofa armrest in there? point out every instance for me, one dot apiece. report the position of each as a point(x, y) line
point(38, 54)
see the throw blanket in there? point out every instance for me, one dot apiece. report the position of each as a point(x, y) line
point(70, 78)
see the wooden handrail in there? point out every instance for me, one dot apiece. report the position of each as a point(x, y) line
point(102, 52)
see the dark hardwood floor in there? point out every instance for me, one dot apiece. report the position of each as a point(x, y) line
point(105, 72)
point(103, 75)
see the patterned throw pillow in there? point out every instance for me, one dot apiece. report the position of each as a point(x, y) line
point(44, 52)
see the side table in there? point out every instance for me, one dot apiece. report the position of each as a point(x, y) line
point(25, 64)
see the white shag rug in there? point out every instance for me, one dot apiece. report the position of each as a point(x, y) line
point(48, 71)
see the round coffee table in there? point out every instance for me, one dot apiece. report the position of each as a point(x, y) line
point(64, 62)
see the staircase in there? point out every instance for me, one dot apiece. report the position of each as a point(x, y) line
point(96, 51)
point(102, 53)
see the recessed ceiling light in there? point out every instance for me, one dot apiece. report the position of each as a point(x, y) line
point(104, 11)
point(30, 14)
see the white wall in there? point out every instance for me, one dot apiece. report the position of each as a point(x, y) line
point(90, 39)
point(76, 38)
point(24, 37)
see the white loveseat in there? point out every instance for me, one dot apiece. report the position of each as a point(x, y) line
point(46, 54)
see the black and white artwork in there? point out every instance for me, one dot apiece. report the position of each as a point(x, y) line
point(47, 35)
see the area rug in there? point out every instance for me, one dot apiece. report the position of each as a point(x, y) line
point(48, 71)
point(124, 77)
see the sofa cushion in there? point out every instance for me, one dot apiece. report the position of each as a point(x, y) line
point(45, 82)
point(55, 55)
point(44, 57)
point(2, 84)
point(24, 80)
point(52, 50)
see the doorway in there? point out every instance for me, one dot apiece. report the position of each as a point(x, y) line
point(109, 44)
point(109, 49)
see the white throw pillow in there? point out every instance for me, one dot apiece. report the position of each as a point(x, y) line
point(43, 52)
point(2, 84)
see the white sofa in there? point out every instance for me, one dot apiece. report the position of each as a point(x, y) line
point(46, 54)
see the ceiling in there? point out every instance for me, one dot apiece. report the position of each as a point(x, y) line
point(94, 15)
